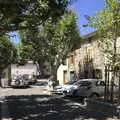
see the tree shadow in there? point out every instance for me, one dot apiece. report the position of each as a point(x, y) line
point(45, 107)
point(21, 87)
point(41, 83)
point(0, 110)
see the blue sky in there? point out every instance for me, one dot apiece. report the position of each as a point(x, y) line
point(81, 7)
point(15, 38)
point(86, 7)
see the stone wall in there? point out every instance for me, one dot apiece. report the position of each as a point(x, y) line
point(89, 58)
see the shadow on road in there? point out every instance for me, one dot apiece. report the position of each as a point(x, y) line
point(45, 107)
point(41, 83)
point(22, 87)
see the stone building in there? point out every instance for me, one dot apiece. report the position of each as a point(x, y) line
point(89, 59)
point(86, 62)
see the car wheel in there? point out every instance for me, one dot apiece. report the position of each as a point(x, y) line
point(17, 82)
point(94, 95)
point(74, 93)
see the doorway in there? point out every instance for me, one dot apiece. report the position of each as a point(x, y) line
point(65, 77)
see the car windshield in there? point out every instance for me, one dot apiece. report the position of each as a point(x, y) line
point(70, 82)
point(83, 83)
point(26, 75)
point(77, 83)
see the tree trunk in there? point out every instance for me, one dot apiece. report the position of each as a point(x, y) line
point(105, 90)
point(54, 69)
point(54, 75)
point(119, 88)
point(108, 74)
point(38, 67)
point(41, 67)
point(113, 65)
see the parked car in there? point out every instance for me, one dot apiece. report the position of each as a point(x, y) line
point(19, 81)
point(86, 88)
point(31, 78)
point(60, 88)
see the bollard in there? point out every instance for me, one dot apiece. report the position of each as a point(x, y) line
point(118, 111)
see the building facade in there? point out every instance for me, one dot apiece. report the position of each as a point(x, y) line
point(88, 61)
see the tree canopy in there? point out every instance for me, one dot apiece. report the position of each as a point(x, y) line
point(21, 14)
point(53, 41)
point(107, 24)
point(8, 53)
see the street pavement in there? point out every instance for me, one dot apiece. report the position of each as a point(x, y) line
point(36, 103)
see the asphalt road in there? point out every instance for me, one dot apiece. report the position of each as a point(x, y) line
point(35, 103)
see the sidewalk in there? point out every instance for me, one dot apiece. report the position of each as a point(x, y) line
point(4, 90)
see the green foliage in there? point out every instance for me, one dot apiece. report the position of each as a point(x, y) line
point(21, 14)
point(8, 52)
point(62, 37)
point(52, 41)
point(107, 24)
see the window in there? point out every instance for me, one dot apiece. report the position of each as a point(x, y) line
point(71, 60)
point(89, 52)
point(86, 83)
point(102, 83)
point(64, 62)
point(83, 83)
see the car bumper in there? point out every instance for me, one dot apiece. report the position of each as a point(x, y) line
point(68, 93)
point(57, 92)
point(13, 84)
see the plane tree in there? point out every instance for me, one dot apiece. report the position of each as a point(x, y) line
point(23, 14)
point(52, 41)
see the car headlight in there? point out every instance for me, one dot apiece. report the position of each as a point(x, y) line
point(68, 90)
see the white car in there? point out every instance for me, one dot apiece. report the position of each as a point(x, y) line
point(60, 88)
point(86, 88)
